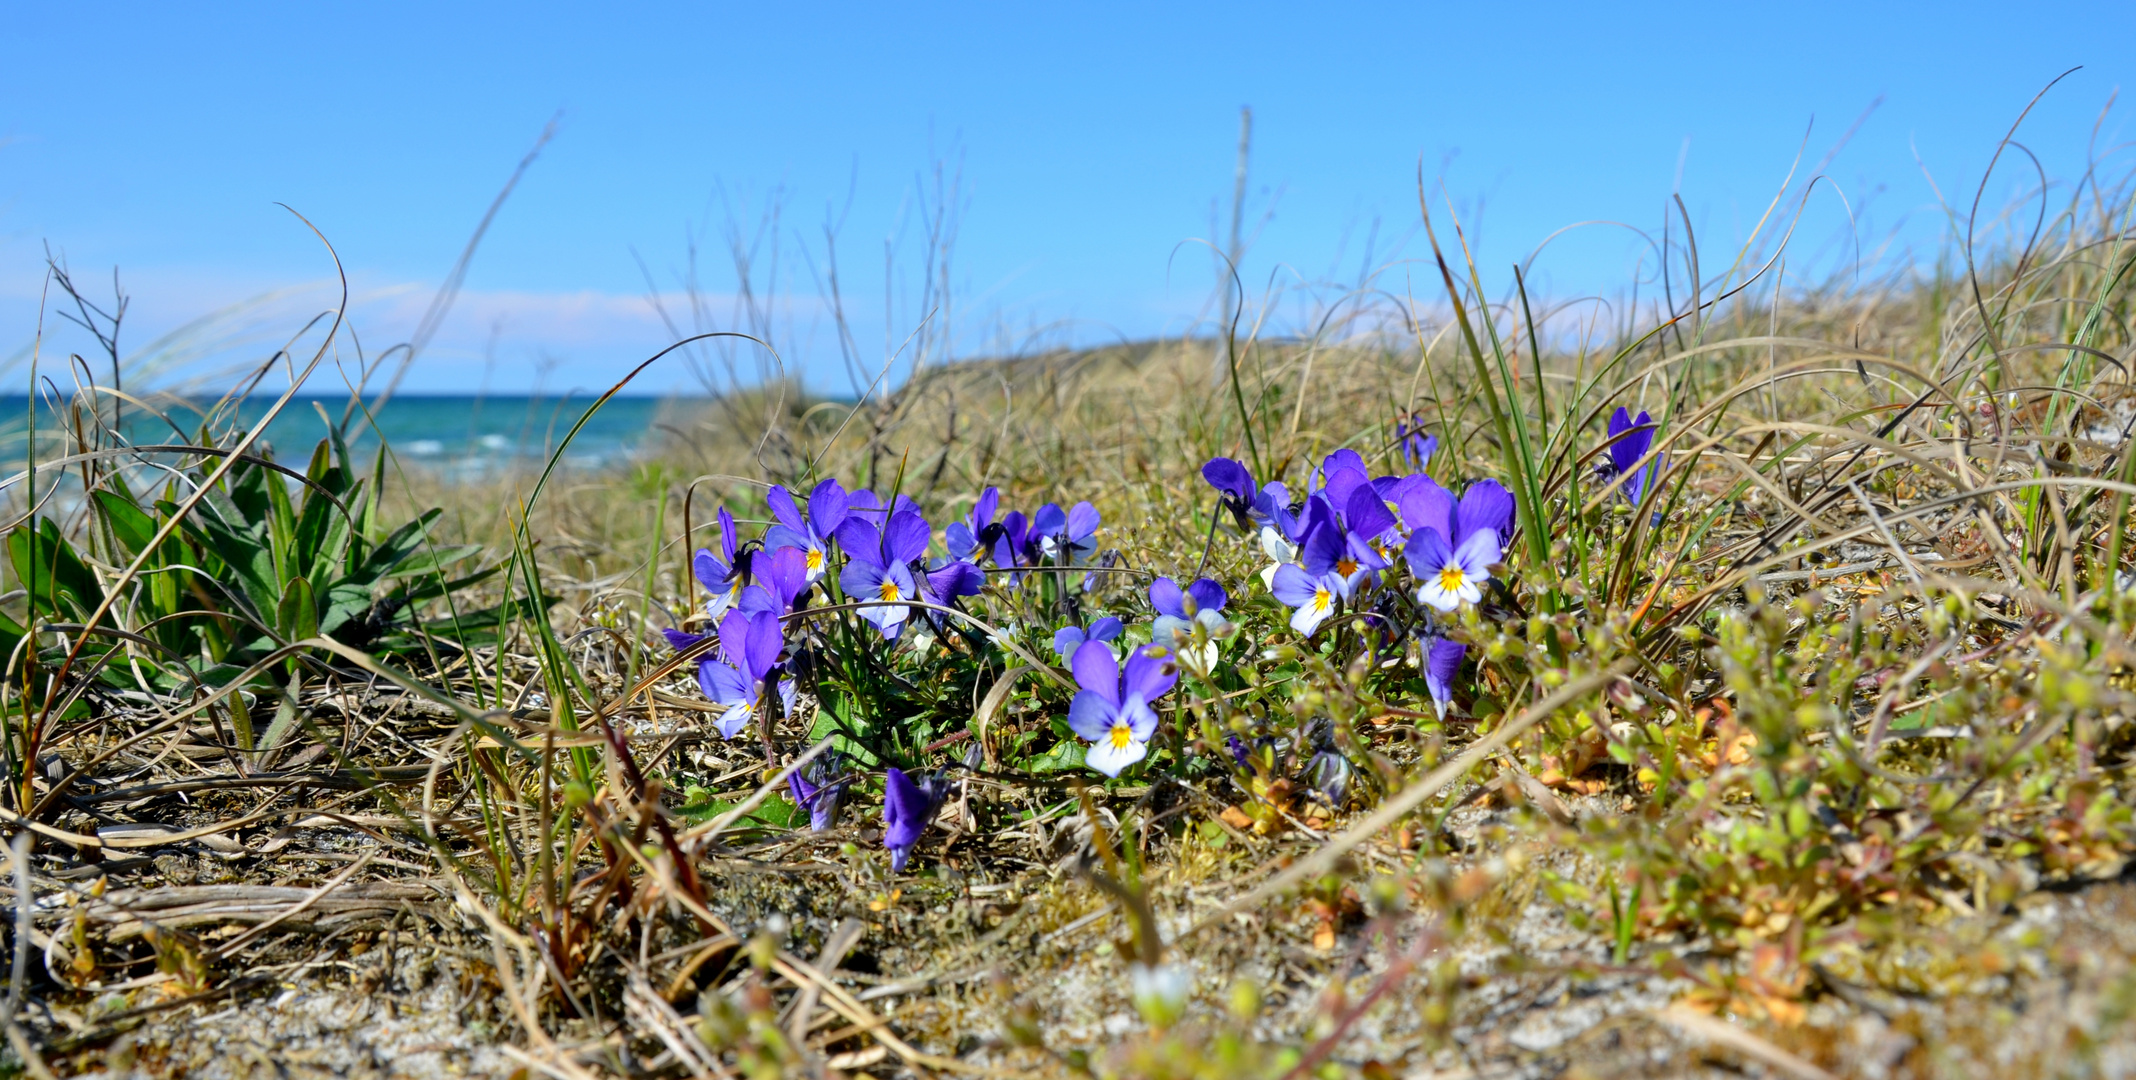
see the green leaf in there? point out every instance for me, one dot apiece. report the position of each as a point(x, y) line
point(309, 546)
point(849, 735)
point(775, 813)
point(285, 715)
point(11, 634)
point(282, 527)
point(396, 548)
point(298, 614)
point(1066, 756)
point(133, 528)
point(240, 720)
point(245, 556)
point(343, 602)
point(52, 572)
point(248, 492)
point(432, 559)
point(434, 588)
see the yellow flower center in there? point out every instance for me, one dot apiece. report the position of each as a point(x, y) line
point(1346, 567)
point(889, 590)
point(815, 559)
point(1452, 578)
point(1321, 598)
point(1121, 736)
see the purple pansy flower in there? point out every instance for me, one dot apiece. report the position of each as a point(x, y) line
point(1179, 609)
point(1341, 484)
point(1113, 708)
point(1631, 438)
point(1283, 527)
point(1068, 639)
point(1485, 505)
point(826, 511)
point(1442, 661)
point(682, 640)
point(817, 787)
point(750, 647)
point(1066, 536)
point(1234, 486)
point(1341, 461)
point(908, 807)
point(782, 576)
point(1313, 598)
point(1231, 479)
point(948, 580)
point(1449, 577)
point(724, 580)
point(1367, 527)
point(1272, 513)
point(882, 590)
point(963, 537)
point(1416, 446)
point(1008, 542)
point(1267, 511)
point(878, 571)
point(1327, 776)
point(1332, 551)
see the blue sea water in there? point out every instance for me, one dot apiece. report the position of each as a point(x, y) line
point(458, 435)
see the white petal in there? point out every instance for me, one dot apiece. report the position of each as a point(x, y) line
point(1308, 618)
point(1107, 759)
point(1268, 575)
point(1431, 593)
point(1203, 657)
point(734, 720)
point(1171, 631)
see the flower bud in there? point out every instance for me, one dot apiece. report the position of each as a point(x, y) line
point(1160, 992)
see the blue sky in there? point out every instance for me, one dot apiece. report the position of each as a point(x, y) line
point(1090, 144)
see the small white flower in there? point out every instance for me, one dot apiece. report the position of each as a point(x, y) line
point(1160, 992)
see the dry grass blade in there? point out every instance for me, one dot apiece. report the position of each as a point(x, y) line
point(801, 973)
point(231, 946)
point(658, 1017)
point(1714, 1030)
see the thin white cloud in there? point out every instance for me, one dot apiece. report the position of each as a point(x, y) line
point(185, 327)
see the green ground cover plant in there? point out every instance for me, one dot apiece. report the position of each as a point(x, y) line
point(1754, 663)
